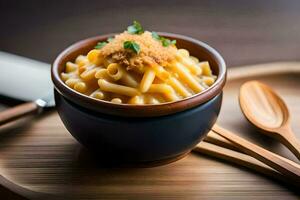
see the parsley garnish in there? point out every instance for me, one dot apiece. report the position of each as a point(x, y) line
point(155, 35)
point(100, 45)
point(132, 45)
point(165, 42)
point(110, 39)
point(136, 28)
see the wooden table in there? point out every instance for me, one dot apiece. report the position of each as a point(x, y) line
point(245, 32)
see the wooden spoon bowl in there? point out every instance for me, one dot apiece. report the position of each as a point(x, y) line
point(267, 111)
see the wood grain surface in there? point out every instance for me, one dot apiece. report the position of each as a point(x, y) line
point(44, 158)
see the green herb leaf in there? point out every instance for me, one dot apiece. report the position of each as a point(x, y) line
point(100, 45)
point(110, 39)
point(155, 35)
point(136, 28)
point(165, 42)
point(132, 45)
point(131, 30)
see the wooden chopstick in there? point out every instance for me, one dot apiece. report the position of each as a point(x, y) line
point(219, 147)
point(286, 167)
point(218, 140)
point(238, 158)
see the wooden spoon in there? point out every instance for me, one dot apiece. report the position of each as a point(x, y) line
point(267, 111)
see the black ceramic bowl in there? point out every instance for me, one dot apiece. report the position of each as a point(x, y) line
point(139, 133)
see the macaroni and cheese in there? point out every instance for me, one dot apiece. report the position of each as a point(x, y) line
point(138, 67)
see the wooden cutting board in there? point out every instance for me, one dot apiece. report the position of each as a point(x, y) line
point(42, 160)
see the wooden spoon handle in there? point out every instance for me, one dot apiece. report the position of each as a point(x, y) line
point(282, 165)
point(289, 139)
point(17, 112)
point(238, 158)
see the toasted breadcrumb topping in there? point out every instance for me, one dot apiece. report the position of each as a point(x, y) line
point(150, 50)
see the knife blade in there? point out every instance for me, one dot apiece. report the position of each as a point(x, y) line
point(27, 80)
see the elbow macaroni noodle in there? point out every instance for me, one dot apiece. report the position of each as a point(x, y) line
point(100, 78)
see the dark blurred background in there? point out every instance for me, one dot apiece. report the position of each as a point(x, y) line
point(245, 32)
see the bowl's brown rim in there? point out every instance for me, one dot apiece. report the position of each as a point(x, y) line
point(129, 110)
